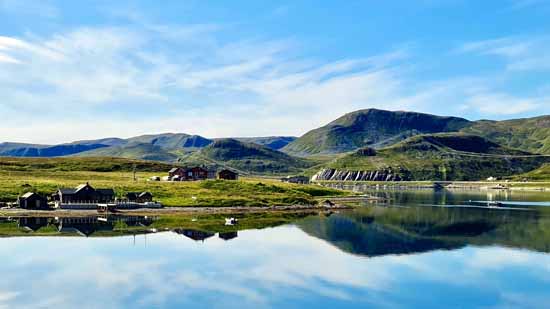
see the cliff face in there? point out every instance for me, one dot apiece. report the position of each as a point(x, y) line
point(344, 175)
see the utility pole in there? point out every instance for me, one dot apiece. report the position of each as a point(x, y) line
point(135, 179)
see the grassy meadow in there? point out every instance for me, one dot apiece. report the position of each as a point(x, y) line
point(44, 176)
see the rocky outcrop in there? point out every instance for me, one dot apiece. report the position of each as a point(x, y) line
point(345, 175)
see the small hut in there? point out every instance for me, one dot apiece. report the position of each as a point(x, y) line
point(228, 175)
point(31, 200)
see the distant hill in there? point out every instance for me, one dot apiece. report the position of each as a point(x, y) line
point(529, 134)
point(370, 127)
point(133, 151)
point(32, 150)
point(247, 157)
point(171, 141)
point(447, 156)
point(160, 147)
point(273, 142)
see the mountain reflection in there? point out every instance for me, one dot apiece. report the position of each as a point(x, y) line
point(377, 231)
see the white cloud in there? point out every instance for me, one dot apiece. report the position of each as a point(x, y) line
point(520, 53)
point(121, 81)
point(503, 104)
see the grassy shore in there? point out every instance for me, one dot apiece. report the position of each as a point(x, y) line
point(246, 192)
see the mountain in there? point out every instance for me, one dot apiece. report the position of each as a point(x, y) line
point(246, 157)
point(32, 150)
point(273, 142)
point(133, 151)
point(171, 141)
point(529, 134)
point(163, 147)
point(370, 127)
point(444, 156)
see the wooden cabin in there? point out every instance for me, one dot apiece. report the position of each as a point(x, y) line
point(228, 175)
point(188, 174)
point(31, 200)
point(84, 194)
point(138, 197)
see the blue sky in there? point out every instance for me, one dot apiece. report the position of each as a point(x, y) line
point(86, 69)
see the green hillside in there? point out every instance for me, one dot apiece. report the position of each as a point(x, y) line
point(540, 174)
point(171, 141)
point(370, 127)
point(273, 142)
point(447, 156)
point(530, 134)
point(134, 151)
point(247, 157)
point(92, 164)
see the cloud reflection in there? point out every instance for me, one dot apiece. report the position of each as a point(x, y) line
point(267, 268)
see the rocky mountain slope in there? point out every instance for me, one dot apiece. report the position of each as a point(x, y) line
point(445, 156)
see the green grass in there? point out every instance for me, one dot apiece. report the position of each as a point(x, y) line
point(92, 164)
point(540, 174)
point(18, 176)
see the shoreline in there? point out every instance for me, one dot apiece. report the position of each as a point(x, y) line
point(16, 212)
point(467, 185)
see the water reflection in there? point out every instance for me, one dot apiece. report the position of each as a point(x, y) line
point(376, 231)
point(446, 197)
point(392, 256)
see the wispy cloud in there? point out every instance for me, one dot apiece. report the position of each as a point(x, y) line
point(147, 76)
point(503, 104)
point(520, 53)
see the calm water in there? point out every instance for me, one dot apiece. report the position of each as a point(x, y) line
point(376, 256)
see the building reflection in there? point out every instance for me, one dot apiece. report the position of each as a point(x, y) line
point(228, 235)
point(194, 234)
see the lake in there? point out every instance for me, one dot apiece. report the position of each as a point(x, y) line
point(422, 249)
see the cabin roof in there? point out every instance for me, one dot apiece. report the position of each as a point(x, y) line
point(67, 191)
point(82, 186)
point(174, 169)
point(142, 194)
point(28, 194)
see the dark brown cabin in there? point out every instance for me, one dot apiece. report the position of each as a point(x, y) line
point(228, 175)
point(84, 194)
point(31, 200)
point(188, 174)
